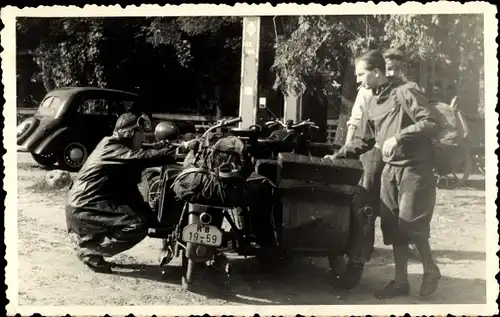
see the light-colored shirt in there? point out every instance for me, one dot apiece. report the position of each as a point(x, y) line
point(358, 106)
point(383, 121)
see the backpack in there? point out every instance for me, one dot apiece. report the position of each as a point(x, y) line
point(445, 142)
point(215, 176)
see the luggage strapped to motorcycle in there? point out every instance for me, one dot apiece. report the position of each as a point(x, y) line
point(210, 185)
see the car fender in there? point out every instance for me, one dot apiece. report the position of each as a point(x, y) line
point(51, 141)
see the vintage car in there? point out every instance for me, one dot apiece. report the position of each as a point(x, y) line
point(70, 122)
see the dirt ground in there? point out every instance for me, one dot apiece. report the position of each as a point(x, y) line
point(50, 274)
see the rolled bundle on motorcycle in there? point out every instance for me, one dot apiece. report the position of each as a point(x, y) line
point(325, 211)
point(215, 177)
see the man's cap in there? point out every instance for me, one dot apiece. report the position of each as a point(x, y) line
point(129, 122)
point(394, 53)
point(126, 120)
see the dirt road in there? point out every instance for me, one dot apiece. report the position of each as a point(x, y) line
point(49, 273)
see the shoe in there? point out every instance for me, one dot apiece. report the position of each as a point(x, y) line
point(393, 290)
point(430, 282)
point(97, 264)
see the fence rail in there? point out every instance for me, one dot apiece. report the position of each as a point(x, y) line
point(331, 129)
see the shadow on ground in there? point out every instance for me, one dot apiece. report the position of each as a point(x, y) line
point(471, 184)
point(304, 283)
point(149, 271)
point(441, 256)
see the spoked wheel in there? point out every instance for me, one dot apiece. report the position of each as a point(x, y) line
point(72, 157)
point(154, 187)
point(46, 160)
point(150, 188)
point(346, 273)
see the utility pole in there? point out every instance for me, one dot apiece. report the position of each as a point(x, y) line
point(249, 70)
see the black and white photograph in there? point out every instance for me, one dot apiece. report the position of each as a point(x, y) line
point(234, 160)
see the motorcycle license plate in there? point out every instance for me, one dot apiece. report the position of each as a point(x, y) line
point(202, 234)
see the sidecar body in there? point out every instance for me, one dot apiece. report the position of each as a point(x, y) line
point(324, 210)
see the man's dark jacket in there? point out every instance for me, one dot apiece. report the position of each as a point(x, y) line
point(105, 196)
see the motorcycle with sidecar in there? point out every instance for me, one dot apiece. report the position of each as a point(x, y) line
point(322, 209)
point(316, 209)
point(203, 231)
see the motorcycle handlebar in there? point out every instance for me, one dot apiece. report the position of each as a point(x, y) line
point(235, 120)
point(294, 126)
point(148, 145)
point(222, 123)
point(303, 123)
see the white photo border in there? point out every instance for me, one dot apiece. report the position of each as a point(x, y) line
point(8, 35)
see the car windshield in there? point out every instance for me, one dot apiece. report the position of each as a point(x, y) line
point(49, 106)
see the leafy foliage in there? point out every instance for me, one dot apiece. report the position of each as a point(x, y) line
point(193, 63)
point(144, 55)
point(450, 46)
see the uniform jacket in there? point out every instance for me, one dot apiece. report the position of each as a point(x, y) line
point(105, 193)
point(384, 118)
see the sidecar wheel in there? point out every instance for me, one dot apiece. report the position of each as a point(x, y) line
point(346, 273)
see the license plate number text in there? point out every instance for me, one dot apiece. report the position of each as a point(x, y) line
point(202, 234)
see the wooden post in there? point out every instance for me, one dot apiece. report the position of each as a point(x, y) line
point(249, 70)
point(293, 107)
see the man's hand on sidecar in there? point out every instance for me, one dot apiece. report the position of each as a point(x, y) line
point(336, 155)
point(331, 157)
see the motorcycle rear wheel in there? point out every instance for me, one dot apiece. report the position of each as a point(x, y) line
point(189, 276)
point(346, 273)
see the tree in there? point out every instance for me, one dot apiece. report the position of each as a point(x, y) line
point(210, 47)
point(448, 49)
point(315, 55)
point(151, 56)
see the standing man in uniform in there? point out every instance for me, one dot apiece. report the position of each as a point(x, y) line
point(408, 183)
point(372, 160)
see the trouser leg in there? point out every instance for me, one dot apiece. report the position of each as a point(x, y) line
point(372, 171)
point(408, 196)
point(389, 212)
point(110, 243)
point(417, 205)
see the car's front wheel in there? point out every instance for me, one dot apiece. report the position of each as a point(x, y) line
point(72, 157)
point(46, 160)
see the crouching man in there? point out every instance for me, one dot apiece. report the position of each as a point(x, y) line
point(408, 189)
point(105, 212)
